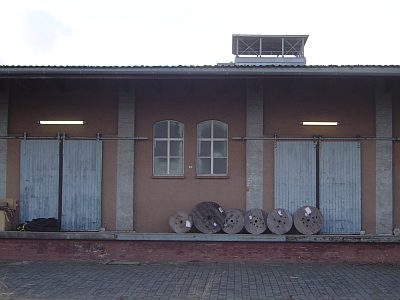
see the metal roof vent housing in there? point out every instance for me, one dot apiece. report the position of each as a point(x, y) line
point(260, 50)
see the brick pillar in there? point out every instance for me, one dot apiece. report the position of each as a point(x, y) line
point(125, 159)
point(254, 148)
point(384, 192)
point(3, 143)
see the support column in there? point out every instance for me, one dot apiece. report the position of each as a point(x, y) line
point(4, 96)
point(384, 187)
point(125, 159)
point(254, 148)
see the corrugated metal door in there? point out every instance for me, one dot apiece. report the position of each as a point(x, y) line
point(340, 186)
point(81, 185)
point(39, 179)
point(295, 175)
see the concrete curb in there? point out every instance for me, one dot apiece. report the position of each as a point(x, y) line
point(193, 237)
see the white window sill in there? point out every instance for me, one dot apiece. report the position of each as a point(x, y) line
point(212, 177)
point(168, 177)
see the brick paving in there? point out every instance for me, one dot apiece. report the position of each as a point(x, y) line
point(197, 280)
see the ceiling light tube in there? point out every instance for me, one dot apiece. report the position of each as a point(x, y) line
point(314, 123)
point(65, 122)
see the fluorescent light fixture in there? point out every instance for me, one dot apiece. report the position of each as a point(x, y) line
point(41, 122)
point(313, 123)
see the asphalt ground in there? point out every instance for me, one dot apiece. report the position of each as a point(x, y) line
point(197, 280)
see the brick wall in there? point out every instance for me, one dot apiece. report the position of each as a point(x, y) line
point(155, 251)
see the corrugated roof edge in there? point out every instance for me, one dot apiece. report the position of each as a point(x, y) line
point(225, 70)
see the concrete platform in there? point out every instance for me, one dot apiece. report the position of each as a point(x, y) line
point(199, 237)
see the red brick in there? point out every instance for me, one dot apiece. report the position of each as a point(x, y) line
point(157, 251)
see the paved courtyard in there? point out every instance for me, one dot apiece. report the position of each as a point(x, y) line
point(73, 280)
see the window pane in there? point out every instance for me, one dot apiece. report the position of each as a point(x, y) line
point(220, 149)
point(161, 130)
point(204, 166)
point(220, 166)
point(205, 149)
point(220, 129)
point(176, 166)
point(160, 148)
point(204, 130)
point(176, 129)
point(160, 166)
point(176, 148)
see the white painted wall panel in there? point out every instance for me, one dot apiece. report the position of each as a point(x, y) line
point(295, 174)
point(81, 185)
point(340, 187)
point(39, 179)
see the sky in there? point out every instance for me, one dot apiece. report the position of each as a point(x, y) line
point(185, 32)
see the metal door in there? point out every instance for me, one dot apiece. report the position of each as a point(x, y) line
point(81, 185)
point(295, 174)
point(39, 179)
point(340, 187)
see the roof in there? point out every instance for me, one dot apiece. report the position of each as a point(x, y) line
point(229, 70)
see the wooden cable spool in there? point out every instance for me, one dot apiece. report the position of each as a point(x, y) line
point(308, 220)
point(279, 221)
point(254, 221)
point(208, 217)
point(234, 221)
point(180, 222)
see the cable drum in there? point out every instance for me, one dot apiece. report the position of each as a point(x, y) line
point(254, 221)
point(279, 221)
point(234, 221)
point(180, 222)
point(208, 217)
point(308, 220)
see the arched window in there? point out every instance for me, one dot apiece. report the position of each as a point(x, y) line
point(212, 148)
point(168, 148)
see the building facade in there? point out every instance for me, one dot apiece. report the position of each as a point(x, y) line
point(157, 140)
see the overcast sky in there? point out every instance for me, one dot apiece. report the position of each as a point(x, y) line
point(185, 32)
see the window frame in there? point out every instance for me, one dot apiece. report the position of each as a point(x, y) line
point(168, 139)
point(211, 139)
